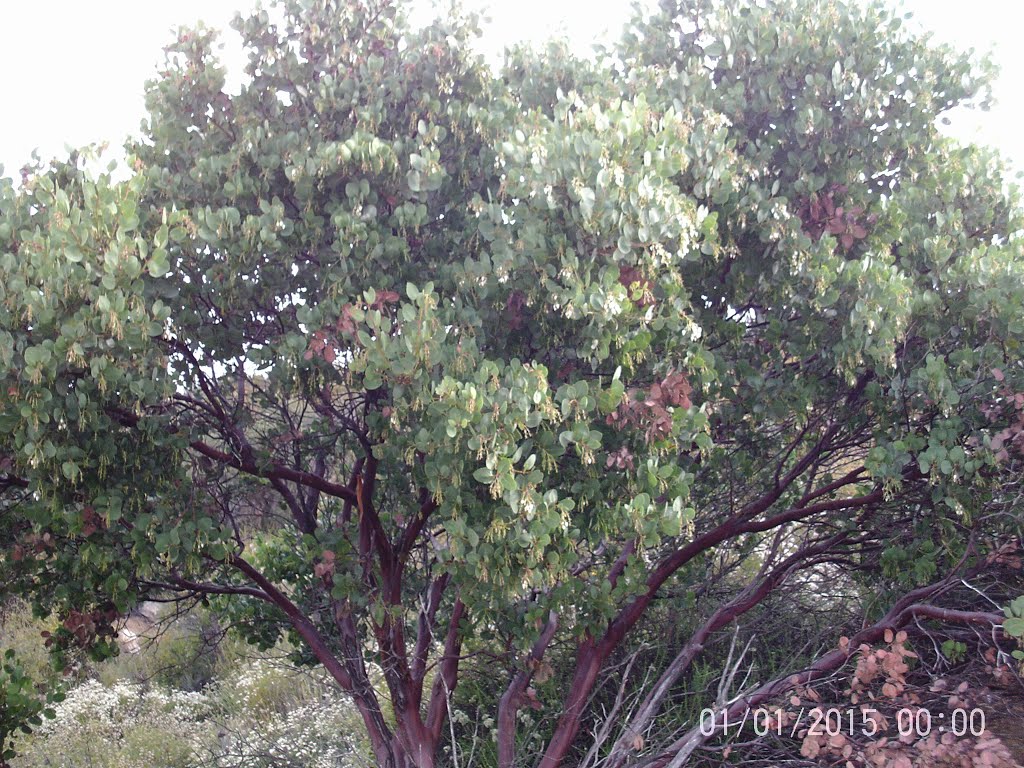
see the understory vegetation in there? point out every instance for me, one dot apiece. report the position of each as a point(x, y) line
point(188, 697)
point(194, 696)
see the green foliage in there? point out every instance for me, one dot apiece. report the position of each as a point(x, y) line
point(390, 353)
point(1014, 624)
point(22, 706)
point(954, 651)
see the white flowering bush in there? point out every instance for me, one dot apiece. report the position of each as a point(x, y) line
point(264, 686)
point(139, 710)
point(314, 735)
point(265, 715)
point(121, 726)
point(279, 716)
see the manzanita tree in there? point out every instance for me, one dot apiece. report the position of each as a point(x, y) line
point(417, 363)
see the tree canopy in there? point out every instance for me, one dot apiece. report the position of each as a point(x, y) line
point(421, 364)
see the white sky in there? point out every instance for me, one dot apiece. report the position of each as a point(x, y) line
point(73, 71)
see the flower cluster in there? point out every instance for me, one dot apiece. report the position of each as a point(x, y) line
point(266, 715)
